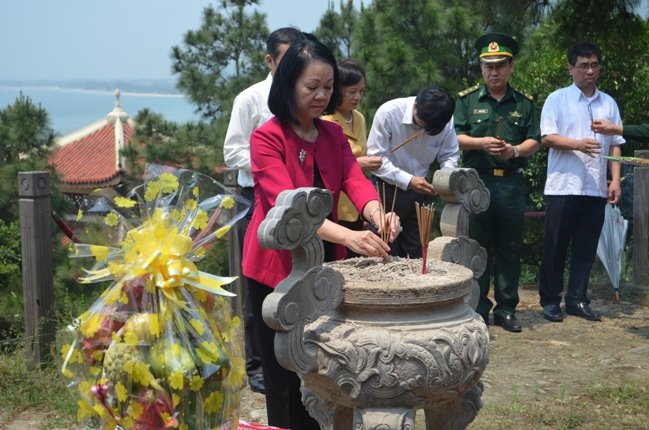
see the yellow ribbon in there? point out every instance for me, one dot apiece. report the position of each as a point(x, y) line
point(161, 251)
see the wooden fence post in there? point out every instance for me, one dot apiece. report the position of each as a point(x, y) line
point(230, 181)
point(641, 221)
point(38, 285)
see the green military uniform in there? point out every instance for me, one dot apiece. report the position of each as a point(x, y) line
point(499, 229)
point(636, 132)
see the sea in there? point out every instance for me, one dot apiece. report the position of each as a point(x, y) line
point(70, 109)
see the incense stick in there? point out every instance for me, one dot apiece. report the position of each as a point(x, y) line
point(425, 216)
point(408, 140)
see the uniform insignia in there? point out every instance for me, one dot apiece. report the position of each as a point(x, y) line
point(493, 47)
point(527, 96)
point(516, 114)
point(468, 91)
point(480, 111)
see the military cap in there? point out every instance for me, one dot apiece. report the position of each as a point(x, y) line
point(496, 47)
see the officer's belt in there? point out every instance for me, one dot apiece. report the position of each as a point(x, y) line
point(500, 172)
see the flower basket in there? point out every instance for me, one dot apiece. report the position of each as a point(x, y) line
point(162, 347)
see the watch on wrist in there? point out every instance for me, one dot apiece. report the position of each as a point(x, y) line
point(516, 152)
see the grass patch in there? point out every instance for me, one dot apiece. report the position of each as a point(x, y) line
point(24, 388)
point(602, 406)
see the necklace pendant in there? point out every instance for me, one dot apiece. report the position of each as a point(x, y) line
point(302, 157)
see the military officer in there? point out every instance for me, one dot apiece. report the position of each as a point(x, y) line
point(497, 129)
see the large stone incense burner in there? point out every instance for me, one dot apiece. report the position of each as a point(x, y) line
point(374, 341)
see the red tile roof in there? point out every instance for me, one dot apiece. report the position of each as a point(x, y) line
point(91, 159)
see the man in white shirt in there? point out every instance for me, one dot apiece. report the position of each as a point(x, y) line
point(576, 190)
point(250, 111)
point(427, 122)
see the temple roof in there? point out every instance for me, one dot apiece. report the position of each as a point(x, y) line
point(90, 157)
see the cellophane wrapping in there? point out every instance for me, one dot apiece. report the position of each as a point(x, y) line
point(162, 348)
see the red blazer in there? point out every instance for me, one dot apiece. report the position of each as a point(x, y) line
point(274, 156)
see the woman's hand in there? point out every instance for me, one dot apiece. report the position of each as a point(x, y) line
point(365, 242)
point(369, 164)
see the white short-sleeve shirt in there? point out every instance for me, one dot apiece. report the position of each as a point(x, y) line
point(565, 113)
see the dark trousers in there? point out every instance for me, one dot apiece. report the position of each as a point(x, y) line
point(252, 343)
point(500, 230)
point(283, 398)
point(407, 243)
point(569, 219)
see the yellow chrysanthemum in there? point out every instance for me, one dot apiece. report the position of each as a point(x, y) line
point(175, 398)
point(123, 202)
point(237, 370)
point(112, 219)
point(183, 426)
point(191, 204)
point(208, 352)
point(135, 410)
point(214, 402)
point(168, 183)
point(89, 327)
point(195, 192)
point(200, 222)
point(227, 202)
point(200, 252)
point(79, 215)
point(152, 190)
point(67, 373)
point(198, 326)
point(99, 252)
point(141, 374)
point(122, 392)
point(196, 383)
point(177, 380)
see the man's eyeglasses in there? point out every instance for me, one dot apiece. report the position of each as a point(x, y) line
point(585, 66)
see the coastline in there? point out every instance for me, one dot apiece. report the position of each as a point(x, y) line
point(90, 91)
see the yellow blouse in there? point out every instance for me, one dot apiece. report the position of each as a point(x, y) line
point(358, 142)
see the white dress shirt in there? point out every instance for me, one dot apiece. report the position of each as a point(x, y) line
point(249, 112)
point(565, 113)
point(392, 125)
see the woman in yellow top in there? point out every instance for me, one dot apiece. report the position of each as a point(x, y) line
point(352, 80)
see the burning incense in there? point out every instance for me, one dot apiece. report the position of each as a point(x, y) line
point(425, 216)
point(384, 222)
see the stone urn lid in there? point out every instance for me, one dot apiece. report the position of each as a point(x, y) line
point(369, 282)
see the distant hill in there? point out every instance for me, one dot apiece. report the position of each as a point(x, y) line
point(151, 86)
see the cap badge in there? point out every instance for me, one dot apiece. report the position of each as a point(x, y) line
point(493, 47)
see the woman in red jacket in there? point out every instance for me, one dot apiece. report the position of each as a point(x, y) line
point(298, 149)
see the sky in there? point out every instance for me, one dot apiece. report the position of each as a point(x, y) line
point(118, 39)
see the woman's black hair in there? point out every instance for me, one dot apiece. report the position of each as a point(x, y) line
point(350, 72)
point(295, 61)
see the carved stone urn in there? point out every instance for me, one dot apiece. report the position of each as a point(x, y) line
point(374, 341)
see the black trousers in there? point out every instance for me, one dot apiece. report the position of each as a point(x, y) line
point(407, 243)
point(252, 343)
point(575, 220)
point(283, 397)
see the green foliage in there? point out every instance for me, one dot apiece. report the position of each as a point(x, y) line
point(26, 140)
point(196, 146)
point(336, 30)
point(229, 38)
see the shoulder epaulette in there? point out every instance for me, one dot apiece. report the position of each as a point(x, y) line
point(468, 91)
point(527, 96)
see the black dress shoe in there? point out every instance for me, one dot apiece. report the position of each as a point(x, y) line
point(257, 383)
point(552, 313)
point(582, 310)
point(509, 323)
